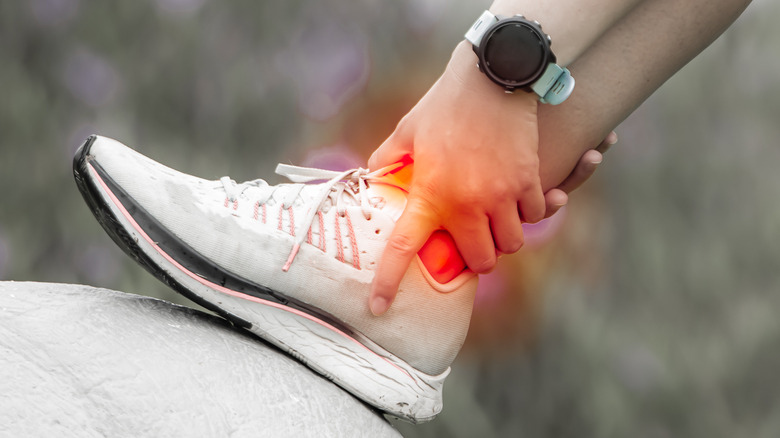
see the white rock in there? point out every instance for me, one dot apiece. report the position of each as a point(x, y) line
point(82, 361)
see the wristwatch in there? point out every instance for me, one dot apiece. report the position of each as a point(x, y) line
point(515, 54)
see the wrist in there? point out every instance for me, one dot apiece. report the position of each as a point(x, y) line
point(464, 84)
point(463, 66)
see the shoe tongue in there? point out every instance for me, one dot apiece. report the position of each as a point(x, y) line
point(392, 187)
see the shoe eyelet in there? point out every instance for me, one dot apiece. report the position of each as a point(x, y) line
point(377, 231)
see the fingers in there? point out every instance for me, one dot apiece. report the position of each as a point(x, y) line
point(507, 230)
point(532, 205)
point(582, 171)
point(587, 164)
point(555, 199)
point(475, 242)
point(610, 140)
point(412, 230)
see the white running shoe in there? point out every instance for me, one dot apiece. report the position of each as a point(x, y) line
point(293, 263)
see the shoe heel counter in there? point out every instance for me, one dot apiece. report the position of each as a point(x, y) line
point(437, 320)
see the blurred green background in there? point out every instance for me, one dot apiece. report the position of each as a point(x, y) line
point(646, 309)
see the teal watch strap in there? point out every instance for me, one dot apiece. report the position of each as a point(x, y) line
point(555, 85)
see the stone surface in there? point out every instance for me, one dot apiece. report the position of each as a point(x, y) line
point(82, 361)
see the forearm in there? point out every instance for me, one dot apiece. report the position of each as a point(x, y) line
point(621, 70)
point(573, 25)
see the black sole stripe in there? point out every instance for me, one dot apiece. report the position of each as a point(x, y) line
point(171, 245)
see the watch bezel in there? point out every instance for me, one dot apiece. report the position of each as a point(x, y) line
point(547, 56)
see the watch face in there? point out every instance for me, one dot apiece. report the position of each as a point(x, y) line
point(515, 53)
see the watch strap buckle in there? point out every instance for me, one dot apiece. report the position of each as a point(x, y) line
point(555, 85)
point(477, 30)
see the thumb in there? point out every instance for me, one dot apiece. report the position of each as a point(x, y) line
point(412, 230)
point(554, 200)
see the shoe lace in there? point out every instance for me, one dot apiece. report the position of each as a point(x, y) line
point(341, 189)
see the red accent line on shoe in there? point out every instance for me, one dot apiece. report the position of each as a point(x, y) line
point(340, 251)
point(235, 204)
point(264, 214)
point(322, 230)
point(223, 289)
point(281, 211)
point(308, 236)
point(227, 201)
point(257, 206)
point(292, 220)
point(289, 261)
point(353, 240)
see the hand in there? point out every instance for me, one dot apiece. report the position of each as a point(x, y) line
point(476, 174)
point(556, 197)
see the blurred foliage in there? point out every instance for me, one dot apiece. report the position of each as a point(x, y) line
point(650, 314)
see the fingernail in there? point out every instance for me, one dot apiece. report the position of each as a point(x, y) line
point(379, 305)
point(612, 138)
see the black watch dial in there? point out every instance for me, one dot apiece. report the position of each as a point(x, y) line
point(515, 53)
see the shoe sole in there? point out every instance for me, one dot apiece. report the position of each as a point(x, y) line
point(380, 379)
